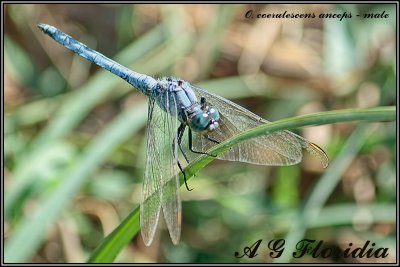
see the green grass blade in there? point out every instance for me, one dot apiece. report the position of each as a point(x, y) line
point(323, 189)
point(29, 234)
point(371, 114)
point(109, 248)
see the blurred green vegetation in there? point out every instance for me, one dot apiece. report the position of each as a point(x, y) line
point(75, 134)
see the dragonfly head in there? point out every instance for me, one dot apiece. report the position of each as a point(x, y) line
point(204, 121)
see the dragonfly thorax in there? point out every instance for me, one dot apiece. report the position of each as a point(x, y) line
point(177, 98)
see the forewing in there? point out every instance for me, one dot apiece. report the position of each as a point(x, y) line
point(160, 183)
point(151, 187)
point(170, 197)
point(280, 148)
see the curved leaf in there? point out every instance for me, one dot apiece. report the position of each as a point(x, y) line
point(109, 248)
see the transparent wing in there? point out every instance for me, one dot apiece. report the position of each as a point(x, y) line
point(170, 197)
point(150, 205)
point(160, 183)
point(280, 148)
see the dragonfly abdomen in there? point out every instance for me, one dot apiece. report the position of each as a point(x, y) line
point(143, 83)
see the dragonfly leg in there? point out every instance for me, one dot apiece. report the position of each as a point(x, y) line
point(202, 101)
point(211, 139)
point(180, 133)
point(184, 176)
point(191, 146)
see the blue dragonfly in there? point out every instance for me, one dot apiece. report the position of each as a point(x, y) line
point(174, 106)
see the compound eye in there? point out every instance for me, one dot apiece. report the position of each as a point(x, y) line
point(200, 122)
point(214, 114)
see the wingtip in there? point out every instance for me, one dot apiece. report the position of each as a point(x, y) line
point(175, 240)
point(320, 153)
point(325, 165)
point(324, 159)
point(147, 239)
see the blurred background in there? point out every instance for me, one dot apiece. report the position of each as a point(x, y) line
point(75, 134)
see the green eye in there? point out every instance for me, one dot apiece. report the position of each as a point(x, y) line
point(214, 114)
point(199, 122)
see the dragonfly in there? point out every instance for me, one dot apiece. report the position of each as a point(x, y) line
point(174, 106)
